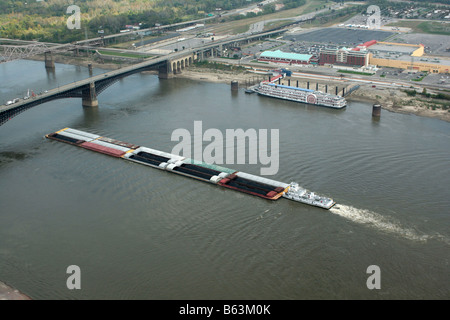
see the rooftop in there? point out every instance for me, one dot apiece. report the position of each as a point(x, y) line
point(399, 49)
point(286, 55)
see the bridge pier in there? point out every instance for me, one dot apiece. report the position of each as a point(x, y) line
point(89, 97)
point(165, 72)
point(49, 62)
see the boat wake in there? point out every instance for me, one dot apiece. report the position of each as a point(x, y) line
point(379, 222)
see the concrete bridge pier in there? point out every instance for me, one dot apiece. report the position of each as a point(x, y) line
point(165, 71)
point(49, 62)
point(89, 96)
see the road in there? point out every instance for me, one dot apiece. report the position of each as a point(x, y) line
point(56, 46)
point(202, 20)
point(259, 26)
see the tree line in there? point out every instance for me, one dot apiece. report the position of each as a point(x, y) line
point(46, 21)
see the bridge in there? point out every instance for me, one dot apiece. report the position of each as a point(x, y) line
point(13, 51)
point(90, 88)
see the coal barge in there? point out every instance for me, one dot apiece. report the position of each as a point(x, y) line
point(211, 173)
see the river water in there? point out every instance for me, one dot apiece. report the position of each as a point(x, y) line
point(140, 233)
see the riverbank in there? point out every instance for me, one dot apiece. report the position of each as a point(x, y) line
point(391, 99)
point(397, 100)
point(8, 293)
point(220, 76)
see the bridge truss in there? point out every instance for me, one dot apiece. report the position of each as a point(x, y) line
point(16, 52)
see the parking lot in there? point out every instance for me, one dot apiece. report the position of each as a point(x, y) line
point(412, 76)
point(441, 79)
point(434, 44)
point(340, 36)
point(262, 46)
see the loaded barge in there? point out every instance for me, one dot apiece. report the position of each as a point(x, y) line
point(225, 177)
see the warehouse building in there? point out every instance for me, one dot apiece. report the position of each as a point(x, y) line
point(406, 56)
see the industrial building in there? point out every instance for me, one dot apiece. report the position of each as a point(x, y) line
point(385, 54)
point(370, 53)
point(406, 56)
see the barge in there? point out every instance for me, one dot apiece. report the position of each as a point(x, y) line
point(211, 173)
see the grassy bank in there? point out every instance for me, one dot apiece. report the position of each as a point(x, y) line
point(319, 23)
point(218, 66)
point(430, 27)
point(239, 26)
point(125, 55)
point(277, 24)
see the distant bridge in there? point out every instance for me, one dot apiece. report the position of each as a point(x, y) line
point(23, 49)
point(89, 88)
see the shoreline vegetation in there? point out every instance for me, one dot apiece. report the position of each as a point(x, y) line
point(46, 21)
point(397, 100)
